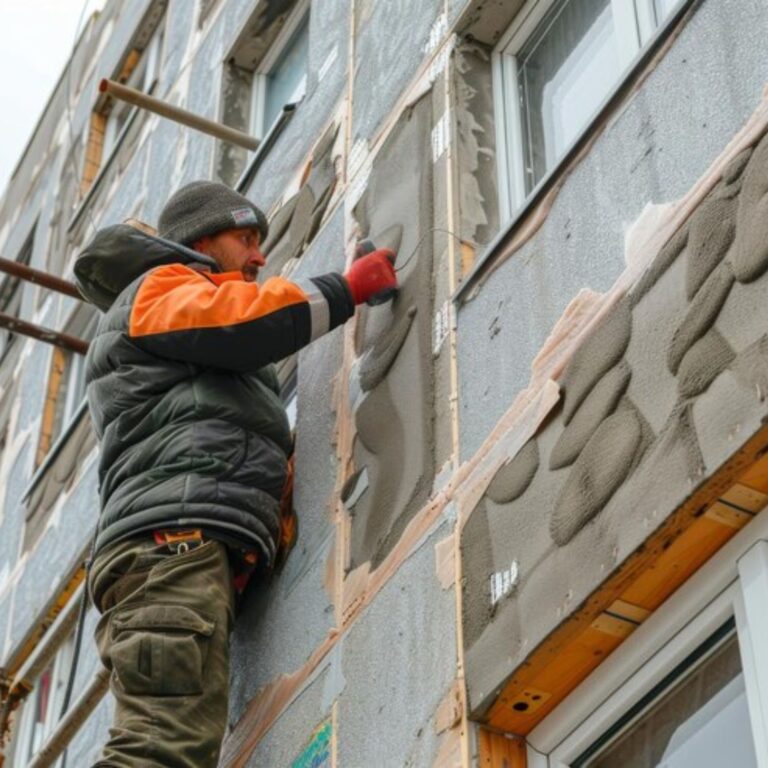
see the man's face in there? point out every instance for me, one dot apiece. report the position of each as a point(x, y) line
point(235, 250)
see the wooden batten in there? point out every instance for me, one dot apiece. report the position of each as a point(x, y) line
point(681, 545)
point(495, 750)
point(58, 367)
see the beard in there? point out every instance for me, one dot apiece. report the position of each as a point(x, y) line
point(250, 273)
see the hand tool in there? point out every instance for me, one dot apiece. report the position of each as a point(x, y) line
point(363, 248)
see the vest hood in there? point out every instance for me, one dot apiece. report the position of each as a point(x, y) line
point(120, 254)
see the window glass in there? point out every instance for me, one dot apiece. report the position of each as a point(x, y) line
point(287, 80)
point(564, 72)
point(703, 721)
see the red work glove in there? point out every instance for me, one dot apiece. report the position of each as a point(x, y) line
point(371, 274)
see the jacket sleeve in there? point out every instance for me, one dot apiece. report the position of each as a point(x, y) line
point(182, 314)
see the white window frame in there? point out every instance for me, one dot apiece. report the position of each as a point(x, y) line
point(734, 583)
point(260, 77)
point(635, 22)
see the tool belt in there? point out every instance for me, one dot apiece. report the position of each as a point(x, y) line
point(179, 542)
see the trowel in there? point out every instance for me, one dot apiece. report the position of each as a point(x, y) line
point(393, 237)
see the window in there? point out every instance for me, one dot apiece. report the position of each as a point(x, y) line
point(282, 77)
point(66, 383)
point(41, 710)
point(702, 720)
point(688, 687)
point(554, 68)
point(265, 70)
point(11, 290)
point(111, 119)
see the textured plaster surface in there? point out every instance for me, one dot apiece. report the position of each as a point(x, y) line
point(662, 141)
point(398, 661)
point(387, 55)
point(598, 501)
point(391, 383)
point(286, 739)
point(319, 366)
point(280, 624)
point(396, 664)
point(63, 542)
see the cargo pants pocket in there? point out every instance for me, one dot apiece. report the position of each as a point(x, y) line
point(160, 650)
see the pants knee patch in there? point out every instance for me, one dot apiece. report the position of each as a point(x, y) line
point(160, 650)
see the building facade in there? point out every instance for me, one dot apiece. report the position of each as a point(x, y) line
point(530, 488)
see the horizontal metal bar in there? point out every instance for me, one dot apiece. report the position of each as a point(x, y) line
point(24, 328)
point(190, 119)
point(38, 277)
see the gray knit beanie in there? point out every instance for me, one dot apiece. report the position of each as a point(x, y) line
point(205, 208)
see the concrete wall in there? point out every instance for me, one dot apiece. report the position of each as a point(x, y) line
point(355, 642)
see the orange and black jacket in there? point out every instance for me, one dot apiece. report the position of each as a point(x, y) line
point(182, 391)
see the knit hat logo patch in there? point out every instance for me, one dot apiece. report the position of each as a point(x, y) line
point(244, 217)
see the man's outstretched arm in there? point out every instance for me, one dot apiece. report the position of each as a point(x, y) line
point(183, 314)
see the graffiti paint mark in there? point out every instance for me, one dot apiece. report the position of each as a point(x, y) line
point(317, 753)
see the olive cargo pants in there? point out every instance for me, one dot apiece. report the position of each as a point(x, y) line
point(164, 636)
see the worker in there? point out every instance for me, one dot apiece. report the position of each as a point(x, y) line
point(195, 448)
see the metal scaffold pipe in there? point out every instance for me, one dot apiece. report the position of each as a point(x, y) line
point(38, 277)
point(63, 340)
point(190, 119)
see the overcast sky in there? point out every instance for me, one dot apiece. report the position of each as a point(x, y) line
point(36, 40)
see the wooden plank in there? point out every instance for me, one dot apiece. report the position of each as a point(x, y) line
point(55, 378)
point(756, 476)
point(565, 670)
point(93, 151)
point(496, 750)
point(679, 562)
point(666, 560)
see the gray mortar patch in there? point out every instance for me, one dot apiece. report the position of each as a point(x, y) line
point(711, 232)
point(701, 314)
point(596, 356)
point(736, 167)
point(667, 256)
point(379, 358)
point(278, 224)
point(602, 467)
point(478, 564)
point(680, 431)
point(732, 181)
point(394, 419)
point(513, 478)
point(703, 363)
point(750, 257)
point(597, 406)
point(297, 222)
